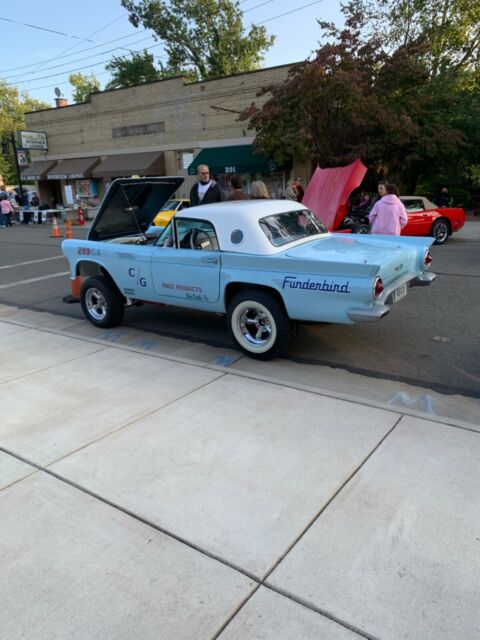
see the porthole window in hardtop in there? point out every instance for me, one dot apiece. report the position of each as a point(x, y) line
point(236, 236)
point(282, 228)
point(196, 234)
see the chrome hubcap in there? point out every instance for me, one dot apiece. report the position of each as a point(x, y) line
point(255, 326)
point(96, 304)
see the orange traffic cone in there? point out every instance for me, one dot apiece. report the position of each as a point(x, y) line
point(68, 230)
point(55, 231)
point(76, 285)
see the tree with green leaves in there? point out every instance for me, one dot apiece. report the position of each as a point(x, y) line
point(451, 28)
point(83, 86)
point(13, 106)
point(130, 71)
point(203, 38)
point(389, 101)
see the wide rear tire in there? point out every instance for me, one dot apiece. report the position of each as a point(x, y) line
point(102, 303)
point(258, 324)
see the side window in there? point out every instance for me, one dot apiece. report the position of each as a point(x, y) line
point(414, 205)
point(196, 234)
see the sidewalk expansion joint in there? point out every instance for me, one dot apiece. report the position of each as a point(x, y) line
point(263, 582)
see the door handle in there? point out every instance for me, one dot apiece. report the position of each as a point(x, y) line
point(212, 260)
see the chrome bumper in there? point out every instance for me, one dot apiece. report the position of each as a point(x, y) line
point(377, 312)
point(368, 315)
point(426, 278)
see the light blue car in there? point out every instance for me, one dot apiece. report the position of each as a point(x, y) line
point(265, 264)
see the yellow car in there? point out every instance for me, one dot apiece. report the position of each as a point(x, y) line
point(168, 210)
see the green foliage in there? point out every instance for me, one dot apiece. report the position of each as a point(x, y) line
point(138, 69)
point(83, 86)
point(13, 106)
point(406, 102)
point(203, 38)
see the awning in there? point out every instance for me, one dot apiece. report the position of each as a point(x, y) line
point(73, 168)
point(240, 159)
point(150, 163)
point(37, 170)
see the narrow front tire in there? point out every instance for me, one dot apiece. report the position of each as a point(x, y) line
point(101, 301)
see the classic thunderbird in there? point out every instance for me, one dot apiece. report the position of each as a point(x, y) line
point(328, 193)
point(265, 264)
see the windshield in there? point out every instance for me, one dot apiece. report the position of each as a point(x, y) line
point(283, 228)
point(170, 205)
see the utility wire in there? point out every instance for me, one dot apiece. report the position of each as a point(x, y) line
point(93, 55)
point(257, 6)
point(103, 44)
point(292, 11)
point(41, 64)
point(35, 26)
point(87, 66)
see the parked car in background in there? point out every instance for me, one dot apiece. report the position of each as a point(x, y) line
point(169, 209)
point(264, 264)
point(329, 190)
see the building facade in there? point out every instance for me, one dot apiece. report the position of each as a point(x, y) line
point(161, 128)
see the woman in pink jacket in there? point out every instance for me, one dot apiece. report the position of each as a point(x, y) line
point(388, 216)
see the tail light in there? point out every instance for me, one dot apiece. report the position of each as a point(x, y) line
point(427, 261)
point(377, 288)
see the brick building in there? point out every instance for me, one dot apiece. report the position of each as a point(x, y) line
point(160, 128)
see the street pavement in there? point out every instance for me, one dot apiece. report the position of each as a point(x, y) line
point(158, 495)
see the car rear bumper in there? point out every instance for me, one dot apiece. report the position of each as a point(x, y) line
point(373, 314)
point(427, 277)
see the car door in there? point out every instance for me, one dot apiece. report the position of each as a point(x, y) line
point(185, 264)
point(418, 219)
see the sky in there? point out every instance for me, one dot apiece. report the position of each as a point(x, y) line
point(44, 42)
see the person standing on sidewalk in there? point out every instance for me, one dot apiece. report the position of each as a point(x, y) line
point(206, 190)
point(6, 210)
point(388, 216)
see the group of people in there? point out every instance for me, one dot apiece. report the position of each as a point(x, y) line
point(21, 199)
point(207, 190)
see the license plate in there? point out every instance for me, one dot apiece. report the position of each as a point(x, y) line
point(399, 293)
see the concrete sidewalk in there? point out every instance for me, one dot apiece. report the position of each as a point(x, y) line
point(143, 495)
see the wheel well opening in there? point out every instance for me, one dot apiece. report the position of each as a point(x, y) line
point(235, 287)
point(88, 269)
point(446, 221)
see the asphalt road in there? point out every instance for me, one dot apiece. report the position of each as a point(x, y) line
point(430, 339)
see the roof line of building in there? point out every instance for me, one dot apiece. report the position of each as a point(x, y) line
point(144, 84)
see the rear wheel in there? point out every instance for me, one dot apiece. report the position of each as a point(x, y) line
point(440, 231)
point(102, 304)
point(259, 324)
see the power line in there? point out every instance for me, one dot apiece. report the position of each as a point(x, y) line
point(41, 64)
point(35, 26)
point(87, 66)
point(103, 44)
point(94, 55)
point(292, 11)
point(257, 6)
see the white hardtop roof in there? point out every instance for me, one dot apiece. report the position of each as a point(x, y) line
point(244, 215)
point(426, 201)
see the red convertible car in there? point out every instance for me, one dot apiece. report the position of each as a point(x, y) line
point(329, 190)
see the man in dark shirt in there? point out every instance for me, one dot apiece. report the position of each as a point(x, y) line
point(237, 193)
point(206, 190)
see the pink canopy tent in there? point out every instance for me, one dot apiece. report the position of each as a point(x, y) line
point(328, 191)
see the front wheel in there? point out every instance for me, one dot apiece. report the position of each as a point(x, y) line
point(440, 231)
point(102, 304)
point(259, 324)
